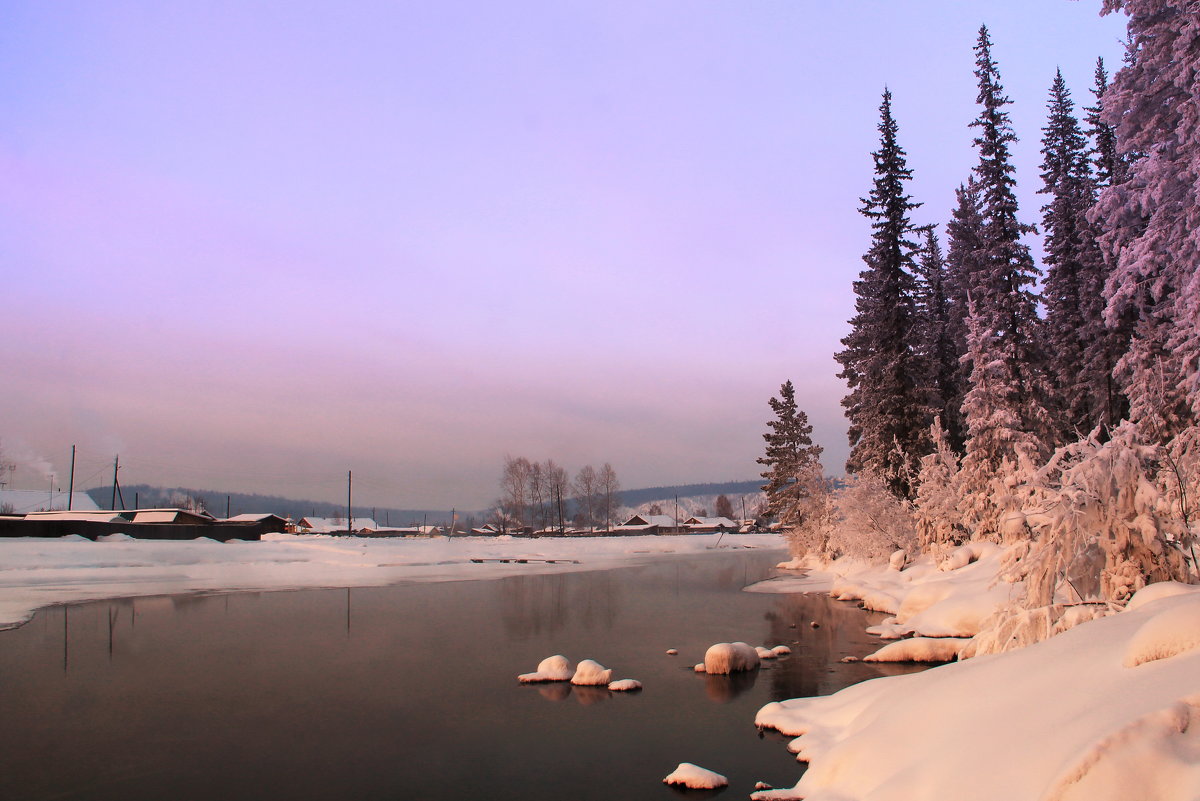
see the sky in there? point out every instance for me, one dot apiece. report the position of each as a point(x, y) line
point(253, 246)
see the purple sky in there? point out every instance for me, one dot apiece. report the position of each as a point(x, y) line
point(250, 246)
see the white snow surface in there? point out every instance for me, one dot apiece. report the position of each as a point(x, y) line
point(591, 673)
point(730, 657)
point(37, 572)
point(1107, 711)
point(552, 668)
point(695, 777)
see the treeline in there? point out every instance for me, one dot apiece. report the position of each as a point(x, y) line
point(541, 496)
point(988, 400)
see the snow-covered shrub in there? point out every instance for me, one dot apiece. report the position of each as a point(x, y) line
point(870, 522)
point(935, 509)
point(808, 524)
point(1124, 497)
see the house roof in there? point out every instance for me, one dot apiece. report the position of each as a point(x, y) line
point(715, 522)
point(662, 521)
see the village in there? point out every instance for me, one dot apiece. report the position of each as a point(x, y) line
point(32, 513)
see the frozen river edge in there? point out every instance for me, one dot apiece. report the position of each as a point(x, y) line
point(36, 573)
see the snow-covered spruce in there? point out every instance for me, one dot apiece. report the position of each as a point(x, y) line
point(695, 777)
point(591, 673)
point(730, 657)
point(552, 668)
point(625, 685)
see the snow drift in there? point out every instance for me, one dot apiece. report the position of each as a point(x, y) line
point(1082, 715)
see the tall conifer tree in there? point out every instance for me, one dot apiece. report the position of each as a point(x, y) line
point(792, 461)
point(965, 271)
point(1080, 348)
point(1151, 219)
point(934, 344)
point(1004, 292)
point(888, 416)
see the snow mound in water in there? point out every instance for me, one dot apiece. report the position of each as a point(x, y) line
point(781, 650)
point(591, 673)
point(695, 777)
point(1167, 634)
point(552, 668)
point(765, 653)
point(730, 657)
point(625, 685)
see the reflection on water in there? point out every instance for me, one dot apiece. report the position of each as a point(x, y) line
point(410, 692)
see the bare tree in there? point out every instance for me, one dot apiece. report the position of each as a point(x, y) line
point(610, 493)
point(557, 488)
point(514, 487)
point(586, 487)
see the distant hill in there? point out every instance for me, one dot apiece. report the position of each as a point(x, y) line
point(731, 489)
point(146, 496)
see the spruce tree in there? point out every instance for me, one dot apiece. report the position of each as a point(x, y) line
point(887, 415)
point(934, 343)
point(1109, 164)
point(964, 275)
point(792, 461)
point(1004, 290)
point(1080, 349)
point(1151, 219)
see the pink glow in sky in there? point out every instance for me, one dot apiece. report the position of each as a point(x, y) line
point(251, 246)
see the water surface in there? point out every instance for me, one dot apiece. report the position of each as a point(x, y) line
point(410, 691)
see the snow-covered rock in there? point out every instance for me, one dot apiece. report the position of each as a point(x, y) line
point(624, 685)
point(730, 657)
point(764, 652)
point(552, 668)
point(591, 673)
point(695, 777)
point(781, 650)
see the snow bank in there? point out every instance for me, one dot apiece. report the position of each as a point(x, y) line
point(730, 657)
point(552, 668)
point(36, 572)
point(695, 777)
point(1066, 717)
point(591, 673)
point(919, 649)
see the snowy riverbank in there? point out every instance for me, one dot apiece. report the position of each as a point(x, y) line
point(1106, 710)
point(35, 573)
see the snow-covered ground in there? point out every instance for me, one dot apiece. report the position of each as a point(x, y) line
point(1107, 710)
point(40, 572)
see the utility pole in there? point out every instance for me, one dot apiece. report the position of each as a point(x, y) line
point(116, 467)
point(349, 500)
point(71, 484)
point(226, 507)
point(676, 513)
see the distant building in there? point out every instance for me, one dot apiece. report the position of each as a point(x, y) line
point(648, 524)
point(705, 525)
